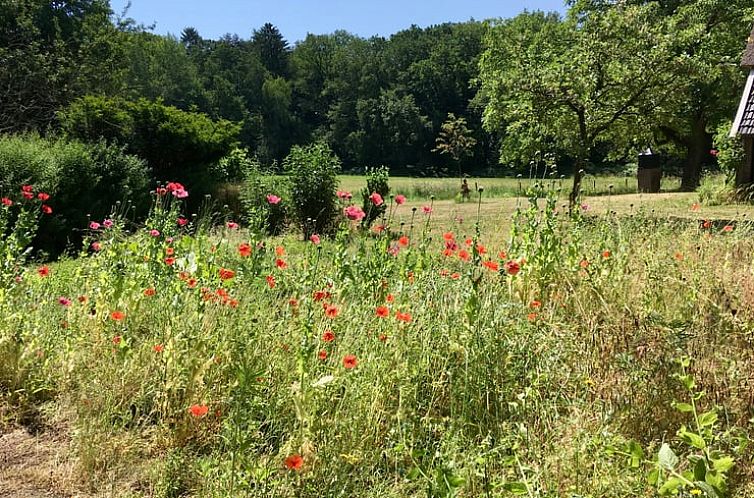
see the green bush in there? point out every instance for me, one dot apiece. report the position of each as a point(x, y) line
point(260, 213)
point(729, 151)
point(313, 173)
point(233, 167)
point(178, 145)
point(378, 180)
point(83, 180)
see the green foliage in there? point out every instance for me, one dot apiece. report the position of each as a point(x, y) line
point(716, 190)
point(51, 54)
point(729, 151)
point(234, 166)
point(568, 85)
point(312, 173)
point(378, 181)
point(177, 145)
point(84, 181)
point(455, 140)
point(260, 214)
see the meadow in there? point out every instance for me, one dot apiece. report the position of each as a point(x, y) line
point(498, 347)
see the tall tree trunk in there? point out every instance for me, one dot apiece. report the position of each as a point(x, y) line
point(698, 146)
point(578, 175)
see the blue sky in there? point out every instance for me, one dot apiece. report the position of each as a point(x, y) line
point(295, 18)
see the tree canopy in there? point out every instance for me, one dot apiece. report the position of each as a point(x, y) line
point(588, 88)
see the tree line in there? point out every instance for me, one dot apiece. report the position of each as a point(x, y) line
point(587, 89)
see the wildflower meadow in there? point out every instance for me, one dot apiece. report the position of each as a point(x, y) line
point(581, 354)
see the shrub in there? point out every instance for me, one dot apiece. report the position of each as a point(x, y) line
point(729, 151)
point(377, 182)
point(234, 166)
point(83, 179)
point(177, 145)
point(262, 213)
point(313, 174)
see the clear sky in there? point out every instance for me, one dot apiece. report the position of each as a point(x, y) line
point(296, 18)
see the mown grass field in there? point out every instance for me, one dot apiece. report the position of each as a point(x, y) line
point(495, 348)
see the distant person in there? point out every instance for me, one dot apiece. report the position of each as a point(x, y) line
point(465, 191)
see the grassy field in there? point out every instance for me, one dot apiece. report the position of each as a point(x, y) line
point(449, 188)
point(607, 354)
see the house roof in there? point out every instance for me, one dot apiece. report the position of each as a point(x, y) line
point(748, 60)
point(744, 123)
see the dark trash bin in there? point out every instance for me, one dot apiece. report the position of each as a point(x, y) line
point(649, 173)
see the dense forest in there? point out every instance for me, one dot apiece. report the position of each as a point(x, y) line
point(590, 88)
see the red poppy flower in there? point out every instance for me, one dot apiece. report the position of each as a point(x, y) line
point(403, 317)
point(331, 311)
point(158, 348)
point(226, 274)
point(7, 202)
point(281, 264)
point(491, 265)
point(512, 268)
point(43, 271)
point(707, 224)
point(169, 251)
point(198, 411)
point(293, 302)
point(390, 298)
point(464, 255)
point(46, 209)
point(382, 311)
point(535, 304)
point(191, 283)
point(270, 281)
point(502, 255)
point(42, 196)
point(584, 263)
point(382, 337)
point(280, 251)
point(27, 195)
point(27, 188)
point(322, 355)
point(294, 462)
point(328, 336)
point(532, 317)
point(182, 222)
point(354, 213)
point(149, 292)
point(448, 236)
point(244, 250)
point(481, 249)
point(447, 253)
point(455, 276)
point(376, 199)
point(728, 228)
point(350, 361)
point(117, 339)
point(169, 261)
point(320, 295)
point(117, 316)
point(444, 272)
point(606, 254)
